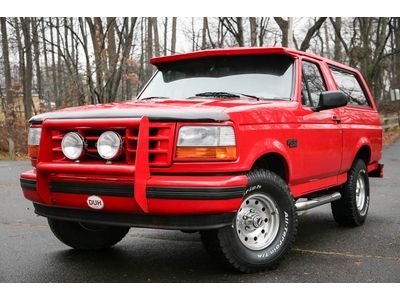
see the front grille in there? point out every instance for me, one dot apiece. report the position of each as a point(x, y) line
point(161, 136)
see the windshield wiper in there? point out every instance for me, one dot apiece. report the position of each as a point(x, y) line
point(218, 94)
point(225, 95)
point(154, 97)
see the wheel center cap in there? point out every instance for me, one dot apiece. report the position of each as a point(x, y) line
point(257, 221)
point(252, 221)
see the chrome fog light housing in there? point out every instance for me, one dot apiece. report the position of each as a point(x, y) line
point(73, 145)
point(109, 145)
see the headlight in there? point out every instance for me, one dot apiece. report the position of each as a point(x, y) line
point(109, 145)
point(34, 136)
point(73, 145)
point(206, 142)
point(34, 141)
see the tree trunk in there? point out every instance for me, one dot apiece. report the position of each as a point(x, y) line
point(92, 91)
point(262, 30)
point(149, 47)
point(337, 55)
point(207, 28)
point(310, 33)
point(173, 37)
point(396, 58)
point(240, 38)
point(96, 33)
point(126, 45)
point(156, 37)
point(6, 61)
point(26, 30)
point(165, 35)
point(60, 79)
point(204, 34)
point(21, 58)
point(327, 46)
point(36, 52)
point(253, 31)
point(112, 59)
point(8, 107)
point(284, 27)
point(53, 69)
point(142, 42)
point(46, 64)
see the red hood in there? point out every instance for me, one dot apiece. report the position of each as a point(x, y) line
point(163, 109)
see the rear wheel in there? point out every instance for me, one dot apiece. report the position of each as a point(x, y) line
point(87, 236)
point(352, 208)
point(263, 230)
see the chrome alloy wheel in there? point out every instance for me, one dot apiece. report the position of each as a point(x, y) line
point(257, 222)
point(361, 195)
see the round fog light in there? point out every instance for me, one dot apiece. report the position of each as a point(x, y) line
point(109, 145)
point(72, 145)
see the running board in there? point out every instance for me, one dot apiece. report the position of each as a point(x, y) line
point(317, 201)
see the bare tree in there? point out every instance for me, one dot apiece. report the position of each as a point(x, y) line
point(165, 35)
point(284, 26)
point(156, 37)
point(235, 27)
point(35, 39)
point(311, 32)
point(26, 28)
point(173, 36)
point(204, 34)
point(253, 31)
point(6, 61)
point(53, 67)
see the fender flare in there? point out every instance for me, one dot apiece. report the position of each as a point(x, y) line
point(363, 141)
point(269, 146)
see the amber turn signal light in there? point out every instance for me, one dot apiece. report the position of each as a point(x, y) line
point(33, 151)
point(205, 153)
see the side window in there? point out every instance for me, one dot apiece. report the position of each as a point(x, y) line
point(348, 84)
point(313, 84)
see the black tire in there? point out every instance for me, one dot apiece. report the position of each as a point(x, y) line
point(85, 236)
point(225, 244)
point(345, 211)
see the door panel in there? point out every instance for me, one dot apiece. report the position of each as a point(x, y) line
point(320, 133)
point(321, 140)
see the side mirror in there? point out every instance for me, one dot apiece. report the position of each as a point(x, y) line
point(331, 99)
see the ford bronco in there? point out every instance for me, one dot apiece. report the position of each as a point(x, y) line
point(231, 143)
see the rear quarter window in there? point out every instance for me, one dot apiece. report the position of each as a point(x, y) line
point(348, 83)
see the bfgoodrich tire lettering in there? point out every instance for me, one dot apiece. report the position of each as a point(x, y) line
point(226, 245)
point(85, 236)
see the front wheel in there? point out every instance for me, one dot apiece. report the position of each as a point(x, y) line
point(263, 230)
point(87, 236)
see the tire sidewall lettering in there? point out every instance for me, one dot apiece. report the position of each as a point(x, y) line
point(274, 248)
point(252, 189)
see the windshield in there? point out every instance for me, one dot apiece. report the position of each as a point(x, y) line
point(258, 76)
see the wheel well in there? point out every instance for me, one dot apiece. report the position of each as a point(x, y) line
point(364, 153)
point(273, 162)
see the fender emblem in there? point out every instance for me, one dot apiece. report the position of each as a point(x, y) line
point(95, 202)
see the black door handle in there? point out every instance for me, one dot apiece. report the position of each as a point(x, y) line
point(336, 119)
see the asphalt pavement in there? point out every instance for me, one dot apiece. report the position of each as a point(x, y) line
point(323, 251)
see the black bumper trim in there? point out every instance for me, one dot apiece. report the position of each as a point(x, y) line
point(28, 184)
point(117, 190)
point(195, 193)
point(177, 222)
point(127, 190)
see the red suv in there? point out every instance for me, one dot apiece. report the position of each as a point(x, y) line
point(225, 142)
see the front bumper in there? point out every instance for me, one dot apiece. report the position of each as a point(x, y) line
point(165, 195)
